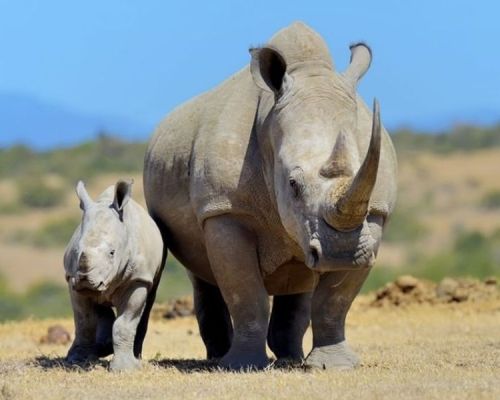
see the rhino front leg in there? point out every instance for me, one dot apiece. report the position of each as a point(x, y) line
point(213, 317)
point(233, 258)
point(84, 346)
point(130, 310)
point(331, 301)
point(289, 320)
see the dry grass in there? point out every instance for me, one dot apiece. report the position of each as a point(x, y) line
point(446, 351)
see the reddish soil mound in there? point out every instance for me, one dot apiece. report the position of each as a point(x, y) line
point(407, 290)
point(56, 334)
point(182, 307)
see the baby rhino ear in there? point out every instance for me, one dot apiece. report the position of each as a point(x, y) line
point(123, 193)
point(81, 192)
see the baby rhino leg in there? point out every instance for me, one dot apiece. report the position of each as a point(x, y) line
point(129, 311)
point(84, 346)
point(104, 334)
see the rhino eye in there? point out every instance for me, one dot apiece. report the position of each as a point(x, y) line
point(296, 181)
point(112, 253)
point(295, 187)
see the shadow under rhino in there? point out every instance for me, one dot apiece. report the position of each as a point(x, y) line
point(49, 363)
point(212, 365)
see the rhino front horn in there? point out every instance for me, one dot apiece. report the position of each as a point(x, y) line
point(352, 207)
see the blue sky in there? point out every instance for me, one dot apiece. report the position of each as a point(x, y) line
point(138, 60)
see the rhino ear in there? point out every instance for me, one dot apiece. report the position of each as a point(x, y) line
point(81, 192)
point(268, 68)
point(361, 58)
point(123, 193)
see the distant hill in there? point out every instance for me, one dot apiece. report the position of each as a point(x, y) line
point(41, 125)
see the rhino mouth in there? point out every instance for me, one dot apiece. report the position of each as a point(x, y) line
point(82, 284)
point(337, 263)
point(325, 258)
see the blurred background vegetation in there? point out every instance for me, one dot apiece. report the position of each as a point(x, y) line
point(447, 221)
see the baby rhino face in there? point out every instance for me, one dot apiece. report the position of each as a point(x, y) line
point(101, 252)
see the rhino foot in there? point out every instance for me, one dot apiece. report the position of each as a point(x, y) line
point(124, 363)
point(335, 356)
point(235, 361)
point(81, 354)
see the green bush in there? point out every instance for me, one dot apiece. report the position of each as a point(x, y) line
point(35, 193)
point(45, 300)
point(10, 208)
point(103, 155)
point(378, 277)
point(42, 300)
point(459, 138)
point(491, 200)
point(10, 307)
point(403, 226)
point(54, 233)
point(472, 254)
point(174, 282)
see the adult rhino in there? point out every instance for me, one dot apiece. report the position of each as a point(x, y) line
point(277, 182)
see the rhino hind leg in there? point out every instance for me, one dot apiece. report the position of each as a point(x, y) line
point(289, 320)
point(104, 334)
point(213, 317)
point(331, 301)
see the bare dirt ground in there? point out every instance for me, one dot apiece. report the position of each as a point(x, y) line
point(413, 347)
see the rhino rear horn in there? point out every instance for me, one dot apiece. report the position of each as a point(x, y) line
point(352, 207)
point(361, 58)
point(339, 163)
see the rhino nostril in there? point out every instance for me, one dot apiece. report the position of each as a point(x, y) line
point(313, 257)
point(83, 262)
point(314, 254)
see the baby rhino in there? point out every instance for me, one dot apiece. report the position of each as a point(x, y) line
point(114, 259)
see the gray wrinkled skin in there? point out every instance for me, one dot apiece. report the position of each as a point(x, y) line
point(114, 259)
point(283, 180)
